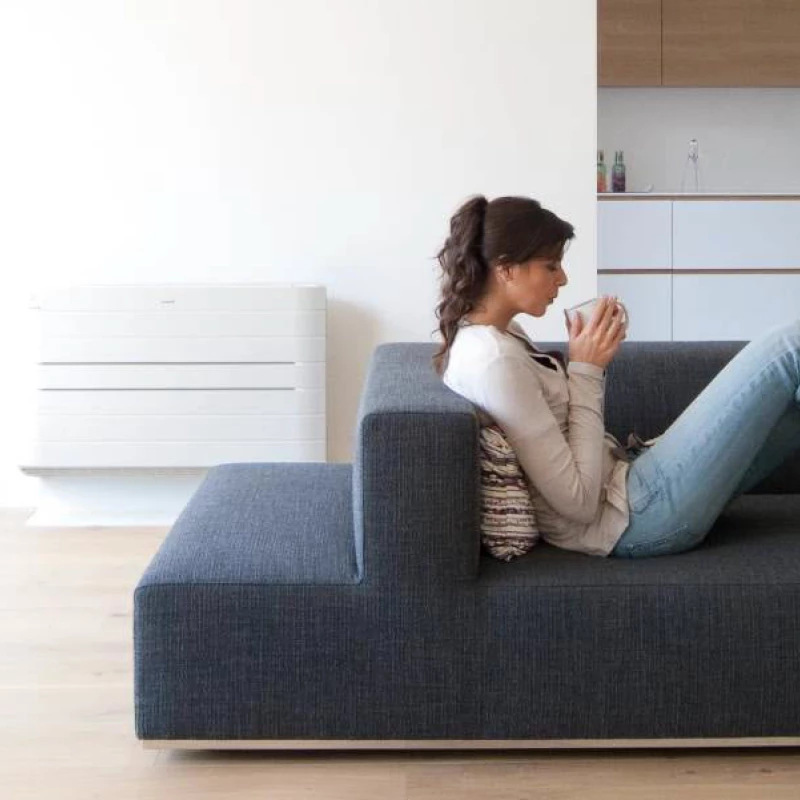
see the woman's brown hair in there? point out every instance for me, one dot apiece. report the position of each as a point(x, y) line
point(507, 230)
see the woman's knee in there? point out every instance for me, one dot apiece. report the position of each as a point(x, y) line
point(775, 344)
point(786, 334)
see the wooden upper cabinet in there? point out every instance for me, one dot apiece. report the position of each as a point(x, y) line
point(629, 42)
point(731, 42)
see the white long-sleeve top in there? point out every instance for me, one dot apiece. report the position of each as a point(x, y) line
point(555, 424)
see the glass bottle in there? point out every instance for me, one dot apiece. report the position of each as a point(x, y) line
point(691, 169)
point(602, 175)
point(618, 173)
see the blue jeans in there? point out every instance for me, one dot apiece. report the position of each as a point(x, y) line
point(733, 435)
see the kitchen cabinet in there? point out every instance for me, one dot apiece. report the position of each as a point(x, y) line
point(648, 299)
point(629, 42)
point(696, 43)
point(731, 43)
point(732, 307)
point(736, 234)
point(634, 235)
point(711, 269)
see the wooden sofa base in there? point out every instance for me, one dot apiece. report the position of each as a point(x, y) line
point(462, 744)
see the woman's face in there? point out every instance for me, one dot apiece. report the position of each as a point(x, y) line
point(533, 286)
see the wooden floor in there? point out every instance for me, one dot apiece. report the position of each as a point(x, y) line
point(67, 712)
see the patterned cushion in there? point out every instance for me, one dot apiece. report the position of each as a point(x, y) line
point(508, 521)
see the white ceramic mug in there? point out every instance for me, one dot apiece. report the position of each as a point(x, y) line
point(586, 309)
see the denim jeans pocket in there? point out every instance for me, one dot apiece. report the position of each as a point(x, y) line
point(643, 486)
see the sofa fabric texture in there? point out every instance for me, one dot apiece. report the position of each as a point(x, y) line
point(324, 601)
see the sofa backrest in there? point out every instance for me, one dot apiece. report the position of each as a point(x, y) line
point(649, 384)
point(416, 470)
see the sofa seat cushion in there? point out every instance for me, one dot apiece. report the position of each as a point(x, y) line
point(263, 523)
point(756, 541)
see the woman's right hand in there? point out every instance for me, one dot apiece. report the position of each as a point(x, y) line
point(599, 341)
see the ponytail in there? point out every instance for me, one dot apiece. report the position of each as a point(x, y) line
point(464, 272)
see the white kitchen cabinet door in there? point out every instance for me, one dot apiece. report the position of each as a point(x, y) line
point(732, 307)
point(634, 234)
point(648, 300)
point(741, 234)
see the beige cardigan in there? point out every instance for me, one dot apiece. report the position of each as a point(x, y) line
point(554, 422)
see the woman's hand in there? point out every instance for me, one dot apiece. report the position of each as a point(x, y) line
point(599, 341)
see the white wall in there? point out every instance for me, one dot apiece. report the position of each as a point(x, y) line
point(326, 141)
point(748, 138)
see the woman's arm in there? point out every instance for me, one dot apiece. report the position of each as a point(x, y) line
point(566, 470)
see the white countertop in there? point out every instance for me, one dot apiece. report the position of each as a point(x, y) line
point(698, 195)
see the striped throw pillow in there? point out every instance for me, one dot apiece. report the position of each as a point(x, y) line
point(508, 521)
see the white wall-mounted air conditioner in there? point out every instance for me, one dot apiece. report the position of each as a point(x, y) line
point(141, 383)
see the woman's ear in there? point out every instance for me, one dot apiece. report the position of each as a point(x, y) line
point(504, 272)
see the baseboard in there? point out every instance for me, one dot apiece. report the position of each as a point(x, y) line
point(463, 744)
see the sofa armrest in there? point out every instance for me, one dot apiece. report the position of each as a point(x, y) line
point(416, 476)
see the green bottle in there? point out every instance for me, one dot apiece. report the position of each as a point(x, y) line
point(618, 173)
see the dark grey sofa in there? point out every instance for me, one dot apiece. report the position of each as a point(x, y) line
point(316, 604)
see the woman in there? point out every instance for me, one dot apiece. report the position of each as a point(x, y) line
point(503, 258)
